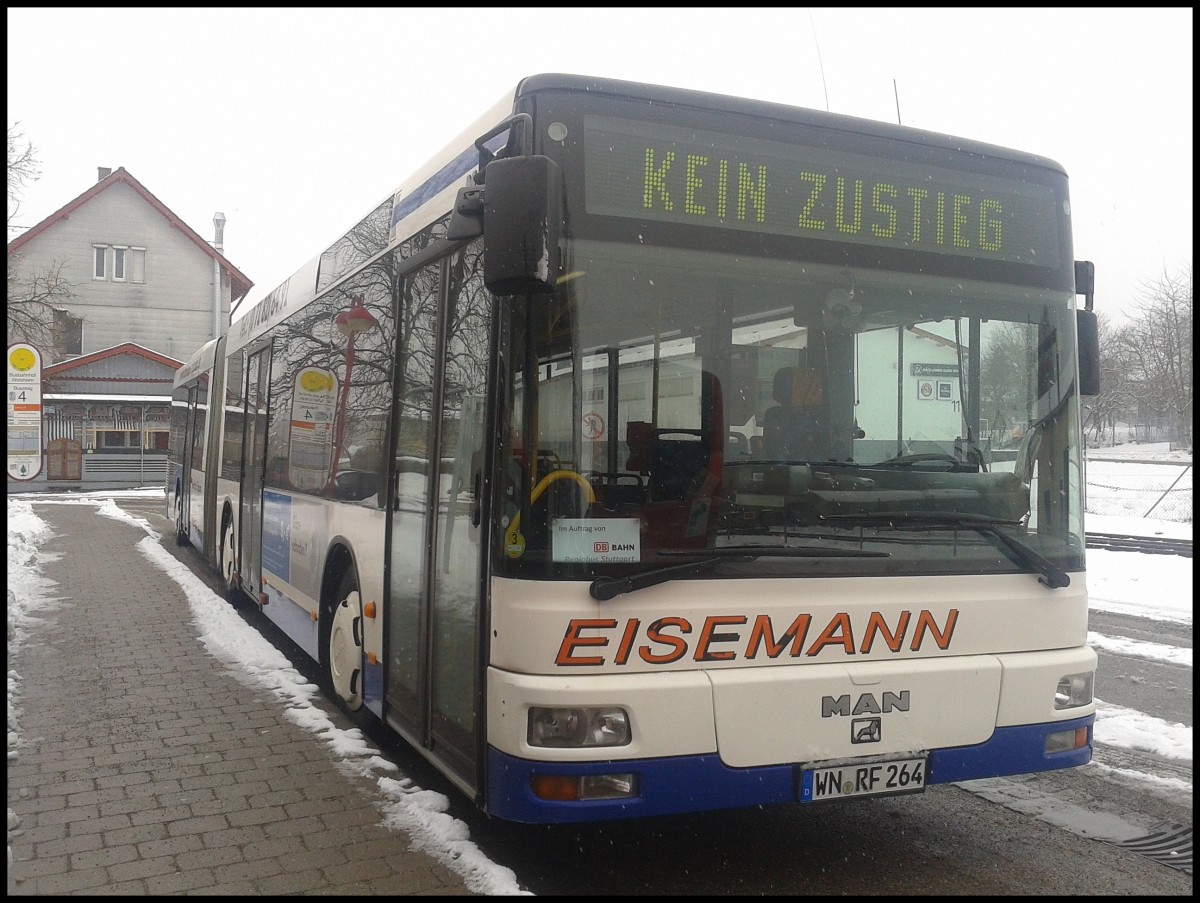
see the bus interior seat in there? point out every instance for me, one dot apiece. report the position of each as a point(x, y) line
point(638, 436)
point(791, 429)
point(677, 465)
point(618, 491)
point(689, 462)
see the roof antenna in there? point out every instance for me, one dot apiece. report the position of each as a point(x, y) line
point(896, 90)
point(819, 61)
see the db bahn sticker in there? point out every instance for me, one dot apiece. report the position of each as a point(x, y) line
point(611, 539)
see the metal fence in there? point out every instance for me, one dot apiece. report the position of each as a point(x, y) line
point(108, 470)
point(1139, 487)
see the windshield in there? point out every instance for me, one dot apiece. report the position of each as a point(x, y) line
point(666, 403)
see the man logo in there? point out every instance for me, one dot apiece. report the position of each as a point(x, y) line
point(866, 704)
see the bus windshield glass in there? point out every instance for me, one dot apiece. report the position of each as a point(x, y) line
point(794, 387)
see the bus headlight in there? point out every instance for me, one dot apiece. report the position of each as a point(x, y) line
point(1074, 690)
point(578, 726)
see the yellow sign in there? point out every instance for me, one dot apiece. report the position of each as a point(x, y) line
point(22, 358)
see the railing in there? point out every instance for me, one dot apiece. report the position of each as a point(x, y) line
point(132, 469)
point(1140, 487)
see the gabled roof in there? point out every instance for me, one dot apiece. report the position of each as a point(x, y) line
point(239, 284)
point(61, 368)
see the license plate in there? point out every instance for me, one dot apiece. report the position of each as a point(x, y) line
point(837, 782)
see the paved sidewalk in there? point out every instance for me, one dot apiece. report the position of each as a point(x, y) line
point(146, 768)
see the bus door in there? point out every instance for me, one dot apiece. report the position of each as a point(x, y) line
point(435, 544)
point(193, 451)
point(254, 455)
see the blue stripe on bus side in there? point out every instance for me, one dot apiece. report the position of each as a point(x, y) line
point(301, 629)
point(667, 786)
point(441, 180)
point(1010, 750)
point(676, 785)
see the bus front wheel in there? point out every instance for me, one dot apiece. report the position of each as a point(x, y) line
point(229, 560)
point(342, 649)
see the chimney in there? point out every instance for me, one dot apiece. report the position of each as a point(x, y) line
point(103, 172)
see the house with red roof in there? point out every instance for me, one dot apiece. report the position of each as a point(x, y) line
point(145, 292)
point(136, 271)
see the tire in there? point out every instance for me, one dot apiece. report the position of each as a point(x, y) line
point(229, 562)
point(342, 667)
point(181, 537)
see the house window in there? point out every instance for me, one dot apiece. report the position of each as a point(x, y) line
point(118, 439)
point(120, 263)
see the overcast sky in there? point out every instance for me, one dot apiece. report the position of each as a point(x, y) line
point(294, 123)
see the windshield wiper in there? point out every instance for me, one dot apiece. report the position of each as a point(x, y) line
point(1051, 574)
point(604, 588)
point(751, 551)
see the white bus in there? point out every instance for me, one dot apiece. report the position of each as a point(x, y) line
point(635, 457)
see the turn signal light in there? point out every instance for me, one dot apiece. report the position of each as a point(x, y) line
point(1065, 741)
point(576, 788)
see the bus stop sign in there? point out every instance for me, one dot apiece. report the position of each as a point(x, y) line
point(24, 411)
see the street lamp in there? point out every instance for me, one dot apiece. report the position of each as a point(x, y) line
point(351, 322)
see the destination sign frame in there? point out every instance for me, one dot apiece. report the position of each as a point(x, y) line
point(650, 171)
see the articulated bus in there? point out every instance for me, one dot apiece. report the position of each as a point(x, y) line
point(653, 451)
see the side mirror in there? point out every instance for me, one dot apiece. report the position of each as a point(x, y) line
point(1087, 331)
point(1088, 338)
point(518, 210)
point(522, 223)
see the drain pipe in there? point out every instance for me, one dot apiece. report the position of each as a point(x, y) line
point(219, 246)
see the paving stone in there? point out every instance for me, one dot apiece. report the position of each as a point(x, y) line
point(143, 767)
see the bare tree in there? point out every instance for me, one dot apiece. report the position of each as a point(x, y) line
point(36, 310)
point(37, 299)
point(1102, 412)
point(1007, 366)
point(22, 168)
point(1158, 345)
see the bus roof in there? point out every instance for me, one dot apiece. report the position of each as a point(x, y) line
point(200, 362)
point(762, 108)
point(428, 192)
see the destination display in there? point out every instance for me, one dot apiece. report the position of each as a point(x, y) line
point(644, 171)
